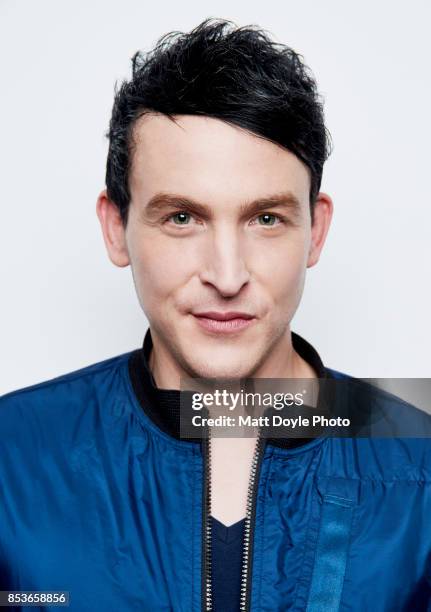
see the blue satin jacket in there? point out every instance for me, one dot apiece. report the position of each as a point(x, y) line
point(101, 498)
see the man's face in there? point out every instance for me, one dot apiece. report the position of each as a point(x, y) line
point(219, 222)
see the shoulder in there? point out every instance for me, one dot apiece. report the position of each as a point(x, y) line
point(66, 393)
point(392, 432)
point(371, 397)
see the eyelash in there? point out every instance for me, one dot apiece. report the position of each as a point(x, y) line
point(280, 218)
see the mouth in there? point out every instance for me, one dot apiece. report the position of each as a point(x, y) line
point(224, 322)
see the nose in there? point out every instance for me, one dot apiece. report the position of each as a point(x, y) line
point(224, 266)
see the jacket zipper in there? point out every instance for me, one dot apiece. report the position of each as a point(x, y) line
point(249, 524)
point(207, 603)
point(206, 529)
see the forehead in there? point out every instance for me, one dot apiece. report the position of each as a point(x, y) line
point(210, 160)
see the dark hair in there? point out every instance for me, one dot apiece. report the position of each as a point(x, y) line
point(236, 74)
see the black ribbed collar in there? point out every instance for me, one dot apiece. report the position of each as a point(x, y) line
point(162, 406)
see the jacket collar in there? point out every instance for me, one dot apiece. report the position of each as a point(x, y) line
point(162, 406)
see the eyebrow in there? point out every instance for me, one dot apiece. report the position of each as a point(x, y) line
point(162, 200)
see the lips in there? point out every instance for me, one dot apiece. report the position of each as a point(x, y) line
point(224, 316)
point(224, 322)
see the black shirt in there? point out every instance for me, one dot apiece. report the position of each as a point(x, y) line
point(226, 553)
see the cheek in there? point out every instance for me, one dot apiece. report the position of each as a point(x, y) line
point(282, 272)
point(288, 283)
point(159, 271)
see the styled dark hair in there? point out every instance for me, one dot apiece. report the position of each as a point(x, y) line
point(236, 74)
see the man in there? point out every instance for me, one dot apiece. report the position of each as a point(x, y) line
point(216, 151)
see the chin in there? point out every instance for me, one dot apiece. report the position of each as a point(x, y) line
point(221, 373)
point(209, 366)
point(218, 357)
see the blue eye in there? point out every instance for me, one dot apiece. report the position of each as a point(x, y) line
point(182, 218)
point(267, 219)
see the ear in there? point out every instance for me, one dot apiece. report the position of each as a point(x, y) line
point(323, 209)
point(114, 232)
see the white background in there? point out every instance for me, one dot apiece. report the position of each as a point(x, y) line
point(64, 305)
